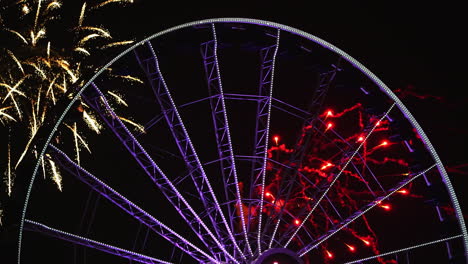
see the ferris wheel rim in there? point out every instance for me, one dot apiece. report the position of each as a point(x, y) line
point(382, 86)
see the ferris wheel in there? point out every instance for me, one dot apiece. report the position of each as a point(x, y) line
point(261, 144)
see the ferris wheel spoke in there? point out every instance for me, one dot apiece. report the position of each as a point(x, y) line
point(129, 207)
point(79, 240)
point(325, 186)
point(227, 162)
point(358, 155)
point(332, 231)
point(286, 184)
point(184, 143)
point(262, 132)
point(98, 102)
point(406, 249)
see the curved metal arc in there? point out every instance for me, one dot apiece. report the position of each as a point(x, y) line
point(133, 256)
point(292, 30)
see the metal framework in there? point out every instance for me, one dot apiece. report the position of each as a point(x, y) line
point(262, 130)
point(52, 232)
point(97, 101)
point(324, 186)
point(324, 82)
point(136, 212)
point(358, 214)
point(209, 51)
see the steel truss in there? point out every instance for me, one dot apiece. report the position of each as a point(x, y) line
point(359, 213)
point(324, 186)
point(136, 212)
point(168, 107)
point(289, 177)
point(262, 130)
point(52, 232)
point(209, 51)
point(95, 99)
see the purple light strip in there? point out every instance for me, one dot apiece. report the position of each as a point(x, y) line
point(335, 178)
point(359, 213)
point(200, 180)
point(266, 137)
point(446, 240)
point(223, 134)
point(139, 214)
point(151, 168)
point(52, 232)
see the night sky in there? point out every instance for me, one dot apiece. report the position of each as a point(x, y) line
point(418, 48)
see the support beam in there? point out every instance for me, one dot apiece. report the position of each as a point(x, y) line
point(325, 186)
point(300, 148)
point(52, 232)
point(359, 213)
point(136, 212)
point(95, 99)
point(209, 51)
point(447, 239)
point(184, 143)
point(262, 130)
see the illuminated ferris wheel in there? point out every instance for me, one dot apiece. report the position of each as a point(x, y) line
point(261, 144)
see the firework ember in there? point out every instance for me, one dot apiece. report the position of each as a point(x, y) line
point(36, 73)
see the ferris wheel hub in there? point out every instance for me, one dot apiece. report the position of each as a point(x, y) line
point(278, 256)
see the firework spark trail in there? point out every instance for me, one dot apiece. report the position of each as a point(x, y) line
point(37, 14)
point(330, 113)
point(91, 122)
point(53, 5)
point(136, 125)
point(77, 148)
point(13, 88)
point(43, 167)
point(111, 1)
point(38, 103)
point(88, 37)
point(128, 77)
point(82, 51)
point(16, 33)
point(401, 162)
point(37, 75)
point(56, 177)
point(459, 169)
point(118, 43)
point(82, 14)
point(103, 32)
point(118, 98)
point(3, 114)
point(79, 139)
point(18, 63)
point(316, 167)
